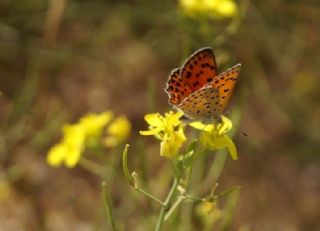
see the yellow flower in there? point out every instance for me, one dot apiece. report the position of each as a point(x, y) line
point(170, 145)
point(210, 8)
point(61, 153)
point(69, 150)
point(76, 137)
point(159, 125)
point(168, 129)
point(214, 137)
point(208, 212)
point(117, 131)
point(93, 123)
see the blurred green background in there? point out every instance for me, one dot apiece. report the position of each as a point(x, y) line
point(61, 59)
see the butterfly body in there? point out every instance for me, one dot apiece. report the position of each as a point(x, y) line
point(198, 90)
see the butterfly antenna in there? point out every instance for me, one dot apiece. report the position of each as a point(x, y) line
point(242, 132)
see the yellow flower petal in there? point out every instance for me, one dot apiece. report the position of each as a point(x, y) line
point(208, 212)
point(56, 154)
point(205, 207)
point(168, 129)
point(171, 145)
point(226, 8)
point(85, 133)
point(173, 118)
point(226, 125)
point(73, 156)
point(154, 119)
point(151, 132)
point(117, 131)
point(169, 148)
point(120, 127)
point(219, 142)
point(93, 124)
point(203, 127)
point(69, 150)
point(231, 148)
point(221, 128)
point(111, 141)
point(213, 136)
point(74, 134)
point(209, 8)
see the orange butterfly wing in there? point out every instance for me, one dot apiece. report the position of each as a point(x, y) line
point(176, 88)
point(201, 104)
point(196, 88)
point(225, 83)
point(199, 69)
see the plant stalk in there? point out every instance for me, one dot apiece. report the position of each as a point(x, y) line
point(166, 204)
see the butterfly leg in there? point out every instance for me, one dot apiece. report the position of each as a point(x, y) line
point(217, 120)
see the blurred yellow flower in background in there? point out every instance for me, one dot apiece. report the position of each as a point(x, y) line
point(117, 131)
point(86, 133)
point(208, 213)
point(5, 190)
point(93, 123)
point(69, 150)
point(214, 137)
point(168, 129)
point(209, 8)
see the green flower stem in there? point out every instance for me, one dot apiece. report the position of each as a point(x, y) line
point(192, 198)
point(213, 173)
point(226, 219)
point(150, 196)
point(227, 192)
point(173, 207)
point(166, 203)
point(125, 167)
point(133, 177)
point(93, 167)
point(108, 207)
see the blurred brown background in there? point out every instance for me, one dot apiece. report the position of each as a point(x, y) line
point(60, 59)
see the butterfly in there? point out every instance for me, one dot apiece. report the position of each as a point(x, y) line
point(198, 90)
